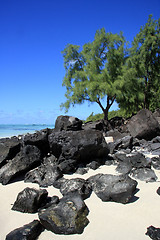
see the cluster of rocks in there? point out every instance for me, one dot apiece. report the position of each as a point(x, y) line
point(45, 156)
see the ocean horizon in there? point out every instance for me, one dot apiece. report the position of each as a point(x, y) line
point(10, 130)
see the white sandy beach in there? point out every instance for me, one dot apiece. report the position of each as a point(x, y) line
point(108, 220)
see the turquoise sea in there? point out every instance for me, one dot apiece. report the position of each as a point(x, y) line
point(9, 130)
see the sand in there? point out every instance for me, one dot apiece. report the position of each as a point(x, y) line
point(108, 220)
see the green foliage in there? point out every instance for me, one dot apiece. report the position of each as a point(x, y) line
point(111, 114)
point(140, 83)
point(93, 72)
point(95, 117)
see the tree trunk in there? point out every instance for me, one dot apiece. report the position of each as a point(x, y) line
point(109, 104)
point(105, 114)
point(147, 93)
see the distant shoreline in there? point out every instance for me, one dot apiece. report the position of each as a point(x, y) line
point(11, 130)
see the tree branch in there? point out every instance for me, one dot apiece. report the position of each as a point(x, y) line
point(103, 48)
point(99, 103)
point(109, 104)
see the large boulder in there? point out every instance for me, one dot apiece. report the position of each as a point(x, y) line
point(82, 146)
point(144, 125)
point(9, 147)
point(38, 139)
point(28, 158)
point(46, 174)
point(67, 217)
point(68, 123)
point(30, 200)
point(113, 187)
point(30, 231)
point(75, 185)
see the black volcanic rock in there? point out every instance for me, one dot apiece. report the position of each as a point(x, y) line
point(93, 165)
point(46, 173)
point(67, 217)
point(30, 200)
point(113, 188)
point(38, 139)
point(82, 146)
point(29, 231)
point(121, 143)
point(156, 162)
point(28, 158)
point(97, 125)
point(144, 174)
point(76, 184)
point(68, 123)
point(116, 122)
point(158, 191)
point(133, 159)
point(153, 233)
point(67, 166)
point(9, 147)
point(144, 125)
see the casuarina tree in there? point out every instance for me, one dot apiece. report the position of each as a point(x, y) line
point(140, 81)
point(93, 72)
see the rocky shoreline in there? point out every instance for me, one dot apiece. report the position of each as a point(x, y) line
point(133, 146)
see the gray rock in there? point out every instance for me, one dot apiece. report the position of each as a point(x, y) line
point(124, 168)
point(76, 184)
point(81, 170)
point(134, 159)
point(67, 217)
point(29, 231)
point(144, 174)
point(144, 125)
point(28, 158)
point(156, 139)
point(155, 146)
point(113, 188)
point(30, 200)
point(68, 123)
point(156, 114)
point(46, 174)
point(156, 162)
point(93, 165)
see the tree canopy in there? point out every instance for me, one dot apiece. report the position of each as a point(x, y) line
point(140, 82)
point(105, 68)
point(93, 72)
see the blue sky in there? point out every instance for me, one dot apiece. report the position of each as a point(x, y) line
point(32, 35)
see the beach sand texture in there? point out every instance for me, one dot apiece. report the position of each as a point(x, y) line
point(107, 220)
